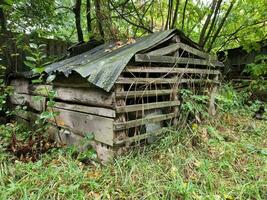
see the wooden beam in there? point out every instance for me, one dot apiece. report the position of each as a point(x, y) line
point(135, 69)
point(105, 112)
point(27, 115)
point(146, 93)
point(147, 106)
point(37, 103)
point(197, 52)
point(20, 85)
point(82, 123)
point(87, 96)
point(139, 122)
point(174, 47)
point(123, 80)
point(139, 137)
point(164, 51)
point(176, 60)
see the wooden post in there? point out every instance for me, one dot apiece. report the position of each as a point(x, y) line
point(213, 91)
point(120, 117)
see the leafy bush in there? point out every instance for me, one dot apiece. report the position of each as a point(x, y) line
point(258, 70)
point(228, 99)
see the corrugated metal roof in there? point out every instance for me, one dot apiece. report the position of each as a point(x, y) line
point(102, 67)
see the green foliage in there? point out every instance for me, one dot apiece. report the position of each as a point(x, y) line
point(5, 91)
point(258, 70)
point(228, 99)
point(193, 103)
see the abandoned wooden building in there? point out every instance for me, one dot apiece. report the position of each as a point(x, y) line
point(237, 59)
point(122, 93)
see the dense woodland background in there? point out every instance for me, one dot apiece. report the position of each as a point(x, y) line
point(213, 24)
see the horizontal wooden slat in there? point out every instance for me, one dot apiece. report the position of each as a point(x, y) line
point(164, 51)
point(86, 109)
point(139, 137)
point(174, 47)
point(139, 122)
point(145, 93)
point(27, 115)
point(125, 80)
point(37, 103)
point(171, 70)
point(197, 52)
point(82, 124)
point(20, 85)
point(176, 60)
point(88, 96)
point(147, 106)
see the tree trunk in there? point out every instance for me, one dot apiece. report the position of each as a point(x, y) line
point(175, 14)
point(212, 23)
point(185, 4)
point(99, 18)
point(205, 27)
point(221, 25)
point(77, 13)
point(88, 18)
point(169, 16)
point(2, 18)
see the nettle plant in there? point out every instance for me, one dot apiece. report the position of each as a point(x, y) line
point(5, 91)
point(36, 61)
point(194, 104)
point(258, 70)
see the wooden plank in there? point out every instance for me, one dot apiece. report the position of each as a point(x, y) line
point(196, 52)
point(121, 117)
point(139, 137)
point(20, 85)
point(135, 69)
point(139, 122)
point(164, 51)
point(176, 60)
point(82, 123)
point(87, 96)
point(145, 93)
point(174, 47)
point(87, 109)
point(123, 80)
point(214, 88)
point(35, 102)
point(147, 106)
point(27, 115)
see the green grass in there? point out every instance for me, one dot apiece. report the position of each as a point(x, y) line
point(224, 158)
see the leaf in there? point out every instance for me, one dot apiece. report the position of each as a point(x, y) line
point(29, 58)
point(46, 115)
point(50, 78)
point(36, 81)
point(38, 70)
point(37, 98)
point(34, 46)
point(29, 64)
point(89, 136)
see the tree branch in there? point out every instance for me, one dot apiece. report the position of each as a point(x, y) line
point(221, 24)
point(127, 20)
point(186, 1)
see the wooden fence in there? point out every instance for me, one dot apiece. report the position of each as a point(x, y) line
point(13, 54)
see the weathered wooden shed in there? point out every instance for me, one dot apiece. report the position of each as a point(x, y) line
point(122, 93)
point(236, 60)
